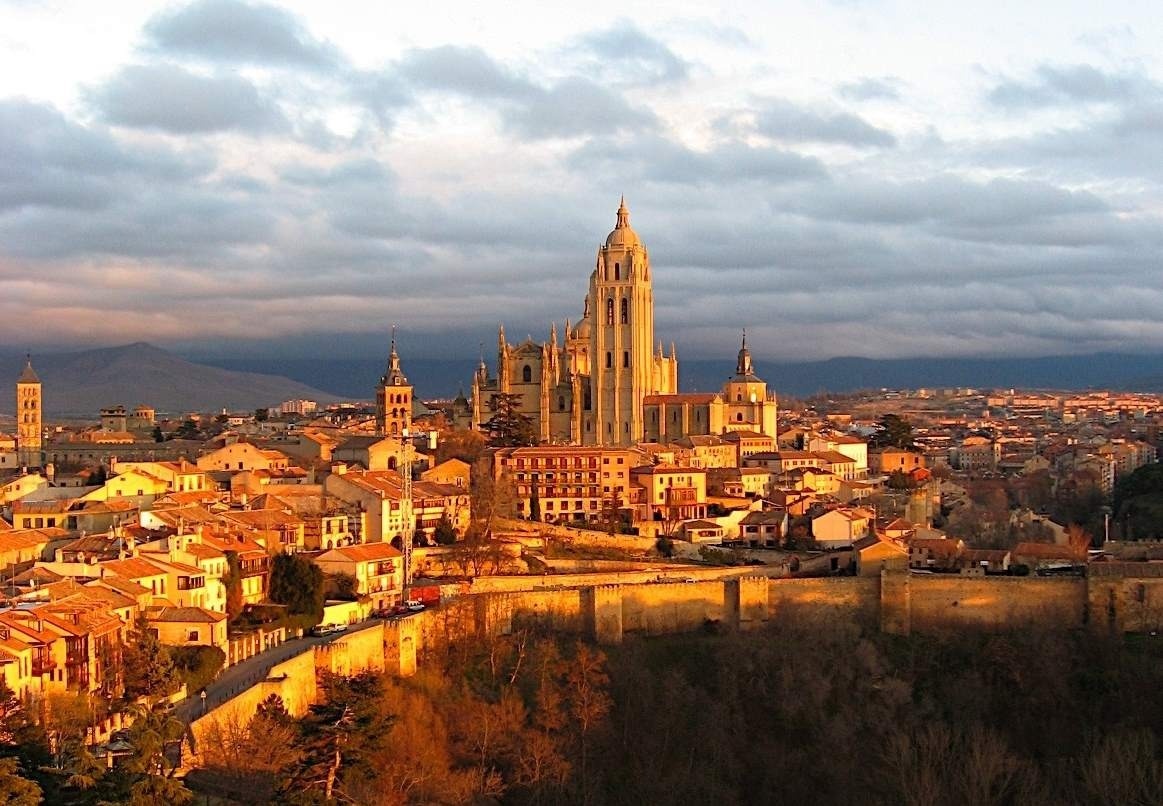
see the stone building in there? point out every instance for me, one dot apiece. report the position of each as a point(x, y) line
point(29, 414)
point(744, 405)
point(590, 390)
point(393, 398)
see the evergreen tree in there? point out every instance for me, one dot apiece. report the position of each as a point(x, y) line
point(893, 431)
point(148, 668)
point(445, 532)
point(534, 503)
point(297, 583)
point(16, 790)
point(508, 427)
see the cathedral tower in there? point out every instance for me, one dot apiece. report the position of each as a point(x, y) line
point(29, 425)
point(393, 398)
point(621, 313)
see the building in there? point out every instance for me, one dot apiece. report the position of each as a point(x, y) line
point(29, 417)
point(571, 483)
point(840, 528)
point(378, 569)
point(744, 405)
point(393, 399)
point(590, 390)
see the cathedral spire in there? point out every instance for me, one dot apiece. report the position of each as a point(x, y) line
point(743, 365)
point(394, 375)
point(623, 215)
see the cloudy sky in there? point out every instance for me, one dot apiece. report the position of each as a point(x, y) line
point(843, 178)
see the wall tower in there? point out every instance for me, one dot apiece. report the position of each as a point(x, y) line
point(29, 424)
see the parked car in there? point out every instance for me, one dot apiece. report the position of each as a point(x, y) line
point(338, 627)
point(414, 605)
point(323, 629)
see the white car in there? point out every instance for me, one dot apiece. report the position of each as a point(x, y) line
point(414, 605)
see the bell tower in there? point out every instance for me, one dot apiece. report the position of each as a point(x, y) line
point(621, 309)
point(393, 398)
point(29, 424)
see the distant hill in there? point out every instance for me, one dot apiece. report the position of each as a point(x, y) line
point(356, 378)
point(81, 383)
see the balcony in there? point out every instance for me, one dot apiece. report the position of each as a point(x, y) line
point(43, 665)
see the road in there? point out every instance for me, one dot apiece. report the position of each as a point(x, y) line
point(241, 676)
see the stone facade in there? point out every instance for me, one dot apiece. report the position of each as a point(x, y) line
point(590, 390)
point(29, 414)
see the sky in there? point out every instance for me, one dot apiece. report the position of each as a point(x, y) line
point(847, 178)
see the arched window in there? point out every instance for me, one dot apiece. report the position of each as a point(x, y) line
point(610, 311)
point(527, 373)
point(626, 358)
point(738, 398)
point(739, 417)
point(625, 311)
point(391, 459)
point(588, 402)
point(617, 272)
point(609, 360)
point(395, 429)
point(561, 402)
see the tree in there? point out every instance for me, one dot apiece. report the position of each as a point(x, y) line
point(261, 415)
point(893, 431)
point(534, 503)
point(188, 430)
point(297, 583)
point(158, 436)
point(16, 790)
point(508, 427)
point(232, 581)
point(460, 443)
point(492, 498)
point(148, 667)
point(445, 532)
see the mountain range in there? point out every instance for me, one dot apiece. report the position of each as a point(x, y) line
point(81, 383)
point(356, 377)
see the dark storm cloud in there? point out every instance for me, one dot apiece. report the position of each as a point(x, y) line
point(886, 88)
point(1080, 83)
point(657, 159)
point(51, 161)
point(947, 199)
point(625, 53)
point(781, 120)
point(172, 99)
point(238, 32)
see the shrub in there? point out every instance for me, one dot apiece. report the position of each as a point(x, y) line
point(198, 665)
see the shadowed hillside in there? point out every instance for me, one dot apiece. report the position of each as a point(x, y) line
point(81, 383)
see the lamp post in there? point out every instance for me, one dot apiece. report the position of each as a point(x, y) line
point(406, 439)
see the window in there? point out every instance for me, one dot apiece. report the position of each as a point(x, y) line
point(561, 402)
point(739, 417)
point(527, 374)
point(609, 359)
point(617, 272)
point(610, 311)
point(625, 311)
point(626, 359)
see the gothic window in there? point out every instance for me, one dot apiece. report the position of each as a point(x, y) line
point(588, 401)
point(626, 358)
point(617, 272)
point(561, 402)
point(610, 311)
point(527, 373)
point(609, 359)
point(625, 311)
point(739, 417)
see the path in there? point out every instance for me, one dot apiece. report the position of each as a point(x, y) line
point(241, 676)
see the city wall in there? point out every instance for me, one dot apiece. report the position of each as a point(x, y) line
point(1108, 601)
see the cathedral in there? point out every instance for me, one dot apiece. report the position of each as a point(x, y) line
point(589, 389)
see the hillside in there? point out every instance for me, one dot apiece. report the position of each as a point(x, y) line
point(81, 383)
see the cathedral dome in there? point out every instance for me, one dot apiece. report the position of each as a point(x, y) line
point(622, 235)
point(582, 331)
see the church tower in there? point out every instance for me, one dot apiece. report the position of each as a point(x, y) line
point(29, 425)
point(393, 398)
point(621, 313)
